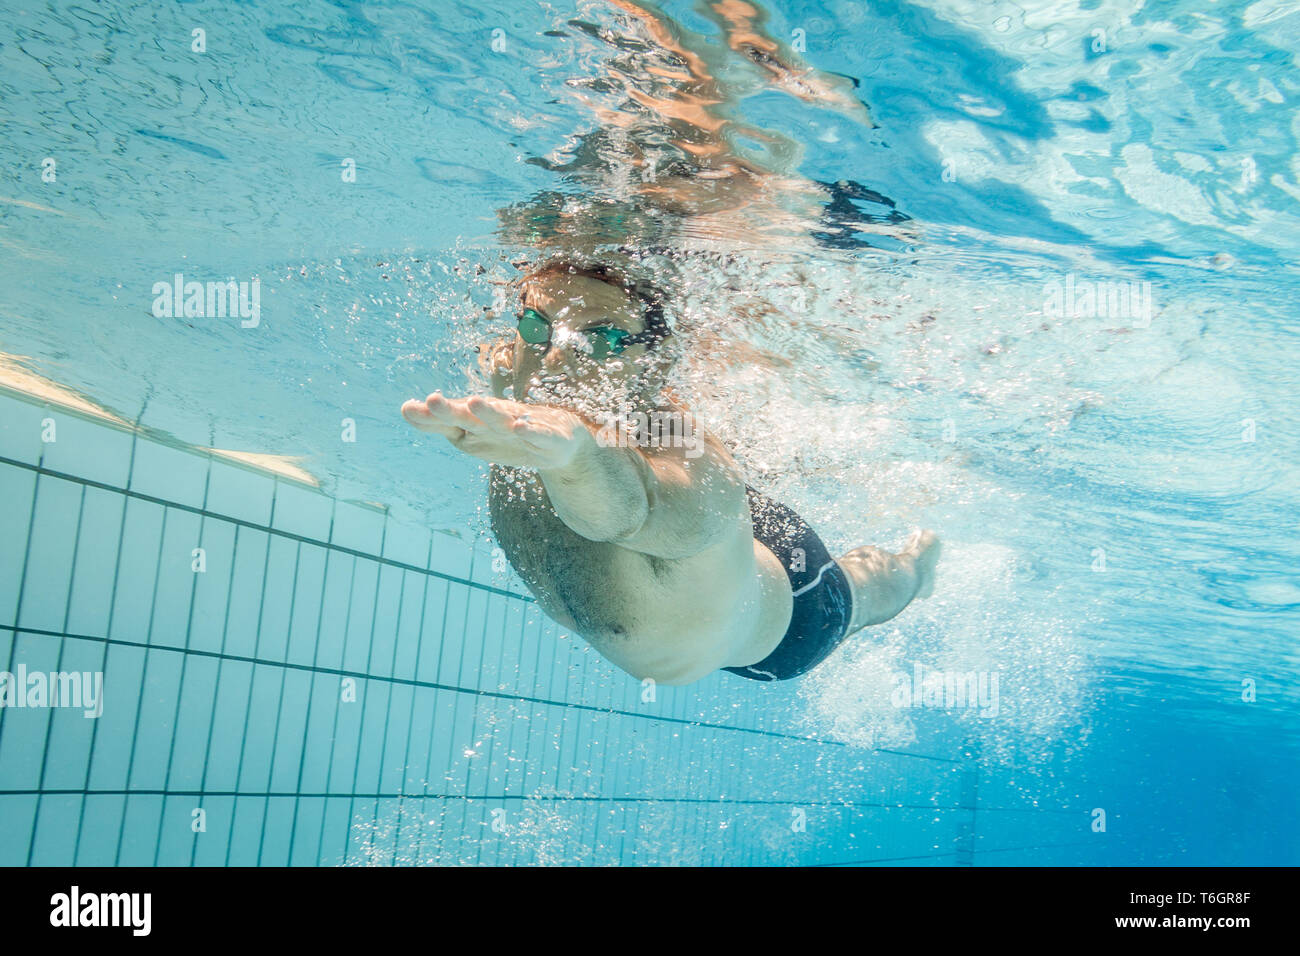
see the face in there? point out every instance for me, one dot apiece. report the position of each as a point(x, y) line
point(566, 371)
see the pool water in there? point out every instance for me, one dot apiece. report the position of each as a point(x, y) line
point(1020, 273)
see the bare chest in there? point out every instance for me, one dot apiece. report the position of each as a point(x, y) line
point(601, 590)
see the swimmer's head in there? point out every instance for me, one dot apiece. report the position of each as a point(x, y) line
point(589, 335)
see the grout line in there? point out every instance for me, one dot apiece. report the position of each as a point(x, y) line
point(265, 528)
point(524, 798)
point(241, 658)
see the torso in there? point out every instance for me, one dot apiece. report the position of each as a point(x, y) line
point(673, 620)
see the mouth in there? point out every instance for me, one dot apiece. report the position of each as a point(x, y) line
point(548, 385)
point(560, 389)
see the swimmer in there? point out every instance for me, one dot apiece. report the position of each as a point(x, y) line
point(639, 533)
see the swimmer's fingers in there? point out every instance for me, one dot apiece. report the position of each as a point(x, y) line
point(496, 413)
point(452, 413)
point(523, 421)
point(417, 413)
point(502, 431)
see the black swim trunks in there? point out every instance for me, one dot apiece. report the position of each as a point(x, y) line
point(823, 598)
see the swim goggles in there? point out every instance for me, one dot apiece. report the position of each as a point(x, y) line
point(604, 340)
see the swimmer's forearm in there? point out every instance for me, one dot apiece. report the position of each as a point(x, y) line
point(601, 494)
point(661, 507)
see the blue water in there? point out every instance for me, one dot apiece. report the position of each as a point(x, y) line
point(1117, 494)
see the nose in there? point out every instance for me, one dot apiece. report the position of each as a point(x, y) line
point(550, 361)
point(565, 353)
point(556, 359)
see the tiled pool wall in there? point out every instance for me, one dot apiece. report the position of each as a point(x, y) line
point(293, 679)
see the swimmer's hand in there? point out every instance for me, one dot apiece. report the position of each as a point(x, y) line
point(504, 432)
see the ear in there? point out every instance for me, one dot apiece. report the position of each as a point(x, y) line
point(496, 361)
point(496, 357)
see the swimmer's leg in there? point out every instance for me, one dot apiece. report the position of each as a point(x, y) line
point(884, 583)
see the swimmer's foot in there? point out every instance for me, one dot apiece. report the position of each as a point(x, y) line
point(884, 583)
point(925, 548)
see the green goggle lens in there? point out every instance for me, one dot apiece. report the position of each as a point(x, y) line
point(534, 329)
point(605, 340)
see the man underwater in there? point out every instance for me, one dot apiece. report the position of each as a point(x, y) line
point(651, 547)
